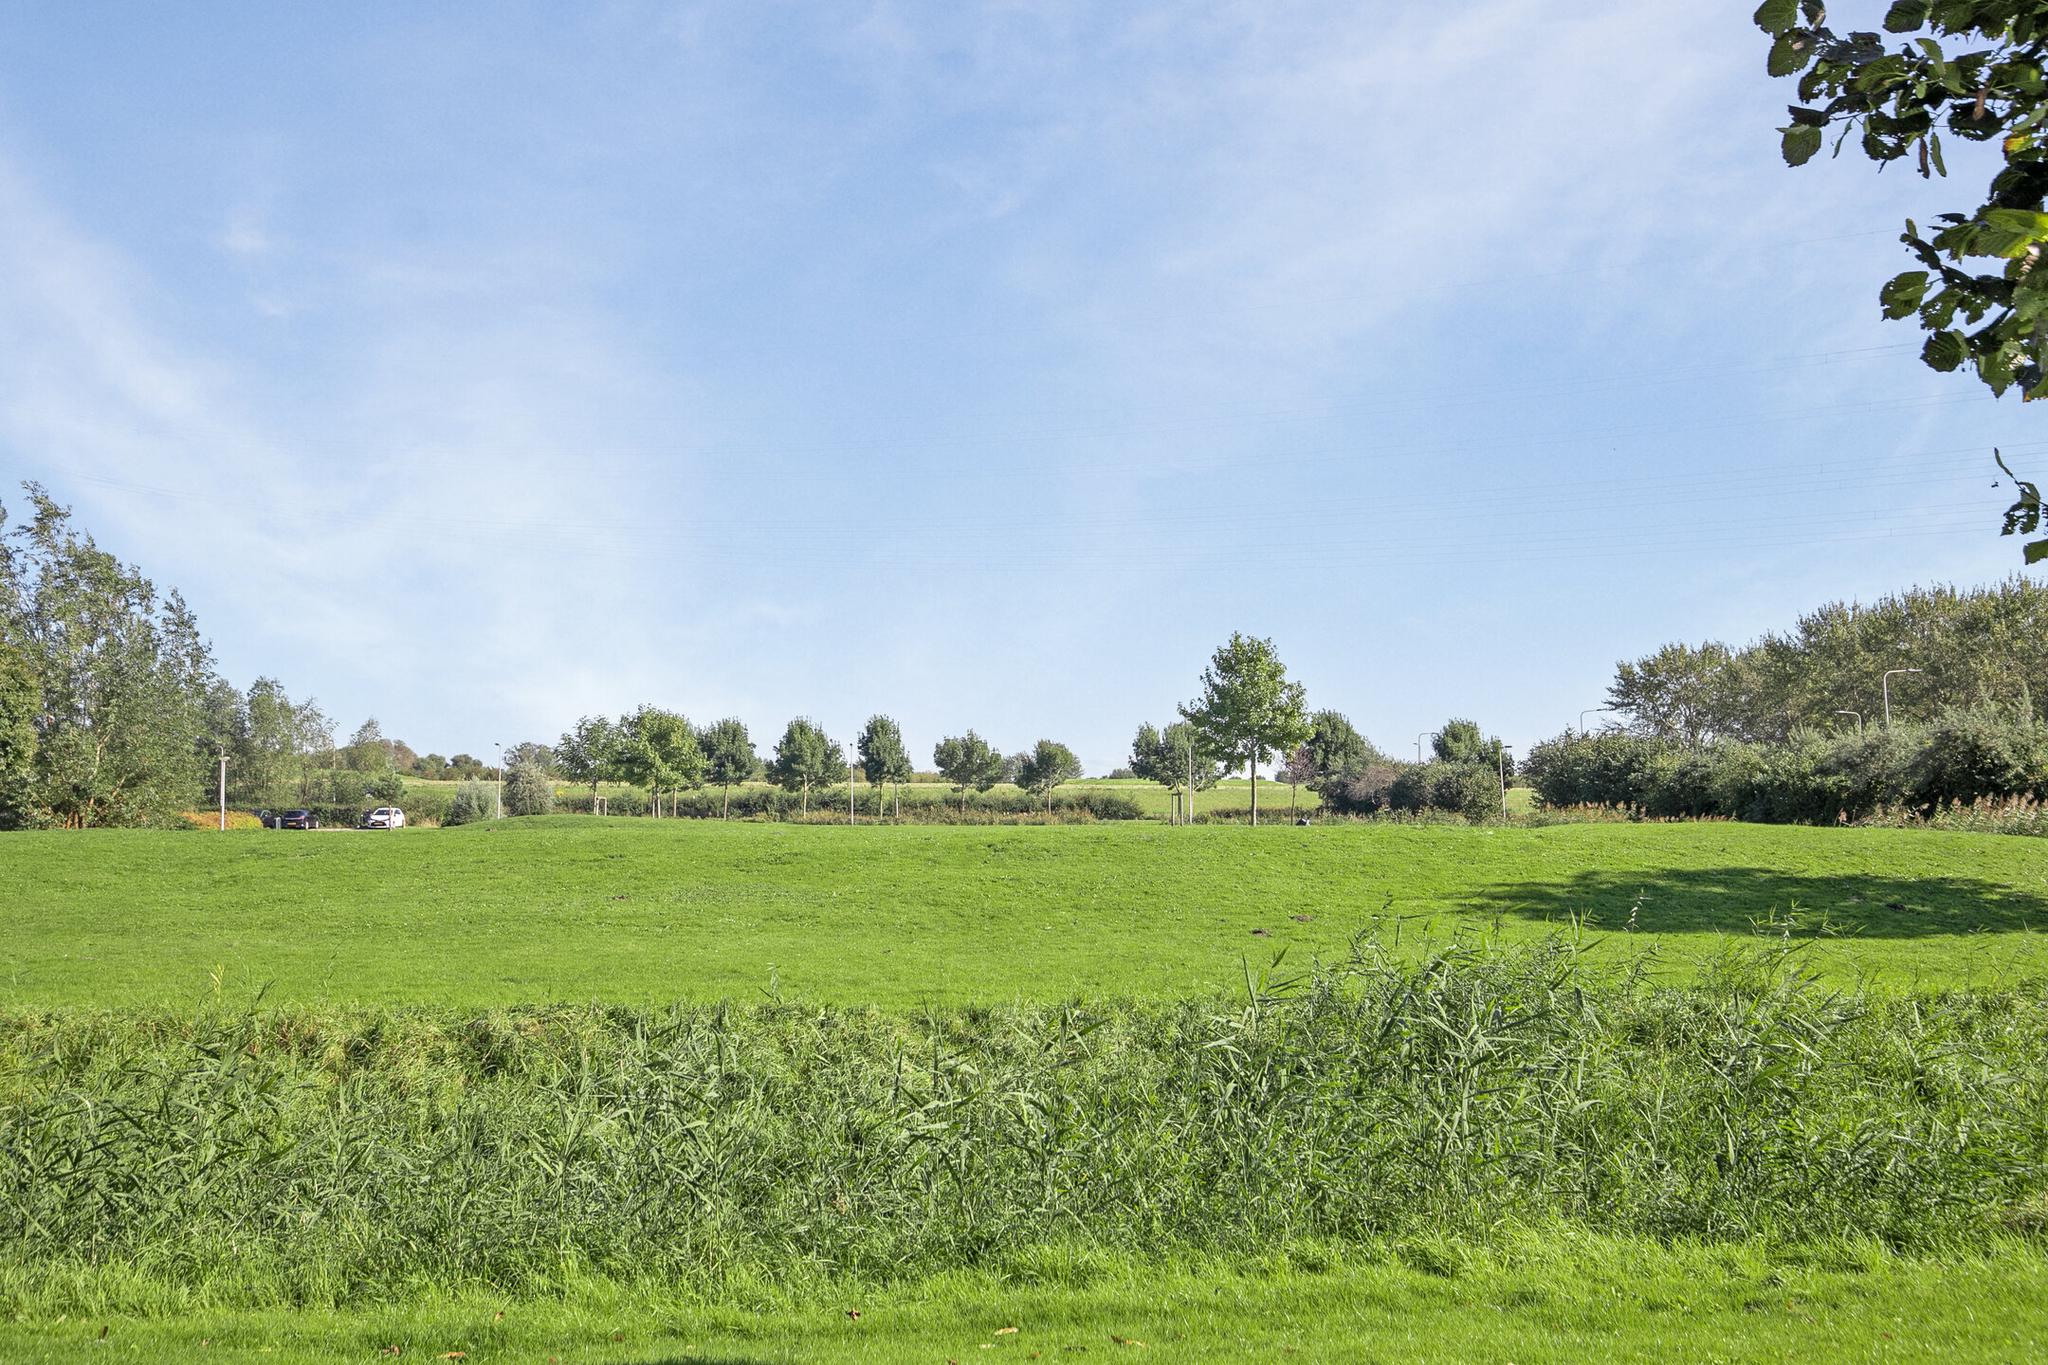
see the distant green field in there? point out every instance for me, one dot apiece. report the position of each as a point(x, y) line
point(574, 908)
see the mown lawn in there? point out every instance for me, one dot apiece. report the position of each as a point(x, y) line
point(575, 908)
point(1589, 1298)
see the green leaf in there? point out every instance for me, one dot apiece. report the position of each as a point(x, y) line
point(1944, 351)
point(2019, 222)
point(1813, 118)
point(1775, 16)
point(1903, 293)
point(1790, 53)
point(1802, 140)
point(2036, 551)
point(1906, 15)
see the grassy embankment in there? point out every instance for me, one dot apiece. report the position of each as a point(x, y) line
point(1516, 1152)
point(575, 908)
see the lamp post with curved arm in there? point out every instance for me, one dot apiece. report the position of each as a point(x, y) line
point(1859, 719)
point(1885, 684)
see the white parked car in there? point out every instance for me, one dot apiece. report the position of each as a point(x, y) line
point(385, 817)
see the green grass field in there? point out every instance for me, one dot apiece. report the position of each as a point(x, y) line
point(390, 1151)
point(575, 908)
point(1577, 1299)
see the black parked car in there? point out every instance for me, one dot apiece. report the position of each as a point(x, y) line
point(297, 819)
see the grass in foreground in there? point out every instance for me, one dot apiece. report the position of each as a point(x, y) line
point(313, 1159)
point(1575, 1298)
point(576, 908)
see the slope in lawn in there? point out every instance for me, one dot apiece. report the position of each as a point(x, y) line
point(579, 908)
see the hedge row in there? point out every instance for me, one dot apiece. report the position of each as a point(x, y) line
point(1964, 756)
point(772, 803)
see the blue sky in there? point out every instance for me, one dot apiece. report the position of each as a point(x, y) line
point(983, 364)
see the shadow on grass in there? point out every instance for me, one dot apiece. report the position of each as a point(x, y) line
point(1741, 900)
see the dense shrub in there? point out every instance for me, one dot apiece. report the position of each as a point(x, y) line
point(1980, 752)
point(1367, 790)
point(472, 801)
point(528, 791)
point(1964, 756)
point(1468, 789)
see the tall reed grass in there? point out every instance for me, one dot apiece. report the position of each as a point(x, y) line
point(277, 1156)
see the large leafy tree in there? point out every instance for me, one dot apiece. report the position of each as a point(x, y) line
point(729, 757)
point(805, 758)
point(21, 709)
point(1176, 758)
point(1462, 741)
point(1335, 747)
point(659, 751)
point(967, 762)
point(118, 677)
point(883, 758)
point(1047, 765)
point(1248, 710)
point(1971, 69)
point(589, 753)
point(1683, 692)
point(1987, 644)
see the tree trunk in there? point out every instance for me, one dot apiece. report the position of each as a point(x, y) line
point(807, 799)
point(1253, 768)
point(725, 804)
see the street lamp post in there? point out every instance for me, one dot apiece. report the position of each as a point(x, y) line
point(1426, 734)
point(849, 788)
point(1885, 683)
point(1592, 711)
point(1859, 719)
point(1500, 759)
point(499, 802)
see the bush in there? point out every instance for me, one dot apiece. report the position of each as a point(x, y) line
point(528, 791)
point(1981, 752)
point(386, 788)
point(1468, 789)
point(472, 801)
point(1363, 791)
point(1962, 757)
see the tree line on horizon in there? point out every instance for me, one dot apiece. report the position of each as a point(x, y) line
point(112, 712)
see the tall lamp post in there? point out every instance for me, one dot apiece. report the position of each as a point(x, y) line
point(1426, 734)
point(1500, 759)
point(1885, 683)
point(1592, 711)
point(1859, 719)
point(849, 786)
point(500, 800)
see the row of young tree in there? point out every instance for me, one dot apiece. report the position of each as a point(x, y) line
point(661, 751)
